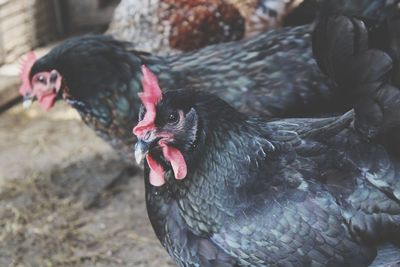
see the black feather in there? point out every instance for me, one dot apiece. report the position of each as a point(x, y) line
point(368, 76)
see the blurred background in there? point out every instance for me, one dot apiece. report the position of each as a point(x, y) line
point(60, 201)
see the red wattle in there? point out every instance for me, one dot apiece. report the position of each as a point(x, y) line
point(175, 157)
point(156, 175)
point(47, 101)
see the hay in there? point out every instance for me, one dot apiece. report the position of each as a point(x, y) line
point(41, 222)
point(44, 217)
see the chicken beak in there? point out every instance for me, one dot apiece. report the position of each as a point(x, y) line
point(27, 101)
point(141, 150)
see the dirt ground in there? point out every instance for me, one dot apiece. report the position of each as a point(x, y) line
point(58, 206)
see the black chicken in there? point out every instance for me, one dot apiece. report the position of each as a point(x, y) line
point(225, 189)
point(272, 75)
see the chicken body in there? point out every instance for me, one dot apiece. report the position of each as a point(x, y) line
point(293, 192)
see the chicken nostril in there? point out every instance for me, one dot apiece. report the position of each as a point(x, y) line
point(53, 77)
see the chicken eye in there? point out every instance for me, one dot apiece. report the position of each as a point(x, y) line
point(41, 79)
point(173, 118)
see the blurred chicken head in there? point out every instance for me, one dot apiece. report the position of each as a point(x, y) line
point(43, 86)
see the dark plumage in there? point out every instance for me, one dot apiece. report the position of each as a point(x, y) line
point(374, 11)
point(270, 75)
point(374, 92)
point(293, 192)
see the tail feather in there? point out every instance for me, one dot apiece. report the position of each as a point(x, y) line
point(371, 11)
point(394, 42)
point(335, 40)
point(366, 75)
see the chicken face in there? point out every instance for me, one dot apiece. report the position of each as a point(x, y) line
point(45, 88)
point(42, 85)
point(166, 132)
point(168, 143)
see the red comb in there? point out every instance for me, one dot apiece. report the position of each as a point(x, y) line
point(25, 68)
point(150, 97)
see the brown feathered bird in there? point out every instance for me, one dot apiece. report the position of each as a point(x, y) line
point(168, 26)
